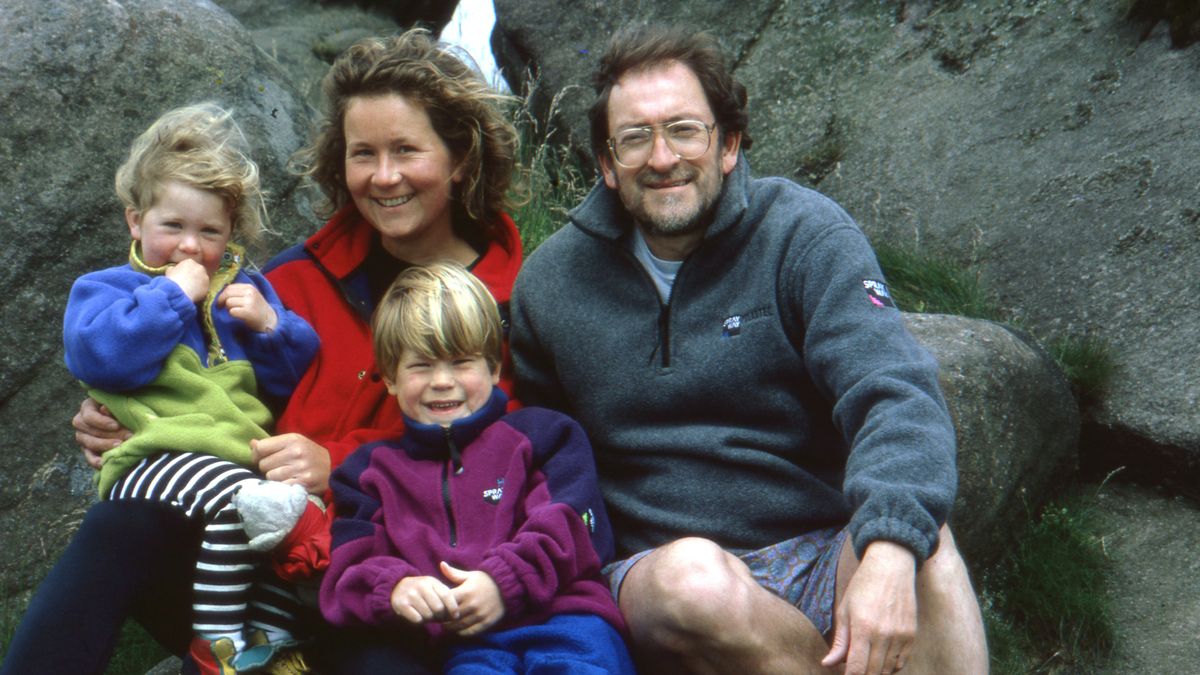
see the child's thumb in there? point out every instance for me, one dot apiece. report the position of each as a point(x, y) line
point(453, 573)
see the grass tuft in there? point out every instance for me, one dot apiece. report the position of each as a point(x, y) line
point(1088, 363)
point(1047, 608)
point(923, 283)
point(135, 653)
point(553, 179)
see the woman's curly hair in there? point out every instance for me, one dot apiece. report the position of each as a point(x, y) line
point(465, 112)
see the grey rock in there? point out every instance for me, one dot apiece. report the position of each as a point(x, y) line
point(304, 36)
point(1149, 537)
point(1017, 428)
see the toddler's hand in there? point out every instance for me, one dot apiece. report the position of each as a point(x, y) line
point(245, 302)
point(191, 277)
point(479, 603)
point(421, 599)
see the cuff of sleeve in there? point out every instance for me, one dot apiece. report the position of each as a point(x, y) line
point(177, 300)
point(379, 602)
point(512, 591)
point(894, 530)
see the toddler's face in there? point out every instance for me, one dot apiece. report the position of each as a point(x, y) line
point(439, 391)
point(186, 222)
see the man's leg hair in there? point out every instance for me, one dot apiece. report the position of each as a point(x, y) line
point(694, 607)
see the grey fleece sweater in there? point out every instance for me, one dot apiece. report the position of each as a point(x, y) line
point(777, 392)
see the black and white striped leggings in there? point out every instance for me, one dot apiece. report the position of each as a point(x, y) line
point(233, 589)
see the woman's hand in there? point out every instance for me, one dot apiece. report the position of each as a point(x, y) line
point(245, 302)
point(292, 458)
point(97, 431)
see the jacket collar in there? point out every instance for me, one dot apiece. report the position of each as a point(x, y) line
point(342, 246)
point(602, 214)
point(460, 433)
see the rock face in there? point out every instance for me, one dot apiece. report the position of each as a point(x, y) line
point(1154, 603)
point(78, 81)
point(1017, 428)
point(1050, 142)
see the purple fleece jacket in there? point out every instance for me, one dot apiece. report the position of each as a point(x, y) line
point(512, 495)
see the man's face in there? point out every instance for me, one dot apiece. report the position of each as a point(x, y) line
point(669, 196)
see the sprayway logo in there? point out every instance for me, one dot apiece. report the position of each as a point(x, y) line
point(732, 325)
point(878, 293)
point(494, 495)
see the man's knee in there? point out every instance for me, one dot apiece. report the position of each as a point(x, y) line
point(688, 583)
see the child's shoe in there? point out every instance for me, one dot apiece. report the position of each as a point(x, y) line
point(213, 657)
point(272, 658)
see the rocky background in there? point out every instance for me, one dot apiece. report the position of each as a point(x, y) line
point(1050, 143)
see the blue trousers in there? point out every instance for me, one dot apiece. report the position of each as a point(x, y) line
point(569, 644)
point(135, 559)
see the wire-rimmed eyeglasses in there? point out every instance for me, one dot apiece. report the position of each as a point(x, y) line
point(687, 139)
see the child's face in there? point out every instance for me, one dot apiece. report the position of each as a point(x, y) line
point(186, 222)
point(439, 391)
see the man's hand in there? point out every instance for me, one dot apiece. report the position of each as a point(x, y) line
point(191, 277)
point(292, 458)
point(245, 302)
point(479, 603)
point(421, 599)
point(97, 431)
point(876, 622)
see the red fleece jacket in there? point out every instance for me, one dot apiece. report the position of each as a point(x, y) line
point(341, 401)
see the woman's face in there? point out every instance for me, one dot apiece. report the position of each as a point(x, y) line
point(400, 175)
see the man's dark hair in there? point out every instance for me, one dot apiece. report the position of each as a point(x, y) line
point(637, 47)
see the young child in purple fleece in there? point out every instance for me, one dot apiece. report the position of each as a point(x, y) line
point(486, 528)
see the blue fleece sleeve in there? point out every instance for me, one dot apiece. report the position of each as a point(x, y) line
point(279, 356)
point(120, 325)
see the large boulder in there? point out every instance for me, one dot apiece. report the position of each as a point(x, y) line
point(1051, 143)
point(1017, 427)
point(304, 36)
point(78, 81)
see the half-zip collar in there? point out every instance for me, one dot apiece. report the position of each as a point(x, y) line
point(448, 442)
point(231, 264)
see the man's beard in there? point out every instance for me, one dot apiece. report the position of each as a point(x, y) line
point(676, 219)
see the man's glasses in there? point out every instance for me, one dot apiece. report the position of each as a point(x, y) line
point(687, 139)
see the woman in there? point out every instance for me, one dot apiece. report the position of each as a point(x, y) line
point(415, 160)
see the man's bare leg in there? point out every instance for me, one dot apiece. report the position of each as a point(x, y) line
point(950, 637)
point(693, 607)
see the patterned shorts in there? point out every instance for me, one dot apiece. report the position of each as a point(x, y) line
point(802, 571)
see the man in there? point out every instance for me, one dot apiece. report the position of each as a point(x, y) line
point(771, 442)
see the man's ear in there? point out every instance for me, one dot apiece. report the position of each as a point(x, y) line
point(133, 218)
point(729, 151)
point(608, 170)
